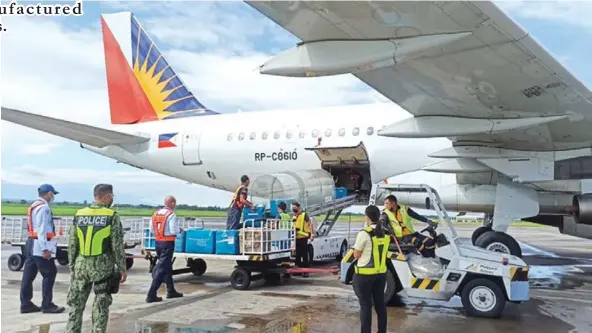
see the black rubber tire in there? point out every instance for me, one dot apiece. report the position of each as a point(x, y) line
point(63, 261)
point(129, 262)
point(391, 287)
point(16, 261)
point(310, 254)
point(274, 279)
point(198, 266)
point(240, 279)
point(341, 251)
point(497, 310)
point(478, 232)
point(499, 237)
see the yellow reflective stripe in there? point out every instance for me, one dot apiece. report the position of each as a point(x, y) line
point(377, 263)
point(95, 211)
point(80, 235)
point(88, 241)
point(97, 240)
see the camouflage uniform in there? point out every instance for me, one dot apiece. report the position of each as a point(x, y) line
point(86, 271)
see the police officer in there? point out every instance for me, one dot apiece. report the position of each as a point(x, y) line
point(304, 232)
point(40, 252)
point(97, 260)
point(370, 251)
point(398, 221)
point(239, 200)
point(165, 228)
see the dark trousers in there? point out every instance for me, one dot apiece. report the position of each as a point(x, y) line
point(424, 244)
point(234, 218)
point(163, 271)
point(302, 253)
point(48, 271)
point(370, 288)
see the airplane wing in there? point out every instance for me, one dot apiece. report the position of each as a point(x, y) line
point(491, 85)
point(90, 135)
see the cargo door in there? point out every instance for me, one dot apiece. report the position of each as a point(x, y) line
point(190, 148)
point(342, 156)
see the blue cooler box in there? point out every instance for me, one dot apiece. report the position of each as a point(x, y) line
point(200, 241)
point(340, 192)
point(227, 242)
point(149, 243)
point(180, 242)
point(257, 213)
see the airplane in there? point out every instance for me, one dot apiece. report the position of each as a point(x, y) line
point(514, 152)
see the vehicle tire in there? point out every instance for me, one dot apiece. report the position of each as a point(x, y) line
point(478, 232)
point(198, 266)
point(342, 251)
point(310, 254)
point(390, 289)
point(16, 261)
point(499, 242)
point(240, 279)
point(274, 279)
point(63, 261)
point(483, 298)
point(129, 262)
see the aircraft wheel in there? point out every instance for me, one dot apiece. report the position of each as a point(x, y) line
point(483, 298)
point(478, 232)
point(16, 261)
point(499, 242)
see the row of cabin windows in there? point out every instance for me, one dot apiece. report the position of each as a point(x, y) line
point(315, 134)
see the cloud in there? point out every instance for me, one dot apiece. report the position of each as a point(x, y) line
point(575, 13)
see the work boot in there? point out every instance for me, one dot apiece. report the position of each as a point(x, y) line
point(153, 299)
point(31, 308)
point(54, 309)
point(174, 294)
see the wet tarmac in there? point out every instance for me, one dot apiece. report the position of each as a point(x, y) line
point(561, 300)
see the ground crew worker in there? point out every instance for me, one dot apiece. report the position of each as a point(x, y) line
point(97, 260)
point(304, 232)
point(165, 228)
point(285, 218)
point(239, 200)
point(398, 221)
point(40, 253)
point(369, 281)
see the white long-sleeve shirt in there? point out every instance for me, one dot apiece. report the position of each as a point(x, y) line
point(42, 225)
point(172, 225)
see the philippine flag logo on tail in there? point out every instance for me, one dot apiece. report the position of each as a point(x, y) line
point(167, 140)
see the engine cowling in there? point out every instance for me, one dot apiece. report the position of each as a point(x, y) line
point(582, 208)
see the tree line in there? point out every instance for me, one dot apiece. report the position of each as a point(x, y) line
point(120, 205)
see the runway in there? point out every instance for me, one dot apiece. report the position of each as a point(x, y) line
point(561, 298)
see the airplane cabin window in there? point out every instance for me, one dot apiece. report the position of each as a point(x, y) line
point(276, 135)
point(370, 130)
point(315, 133)
point(229, 138)
point(328, 132)
point(341, 131)
point(302, 134)
point(264, 136)
point(241, 136)
point(253, 135)
point(356, 131)
point(289, 134)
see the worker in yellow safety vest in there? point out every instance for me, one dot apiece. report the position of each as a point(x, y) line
point(304, 232)
point(398, 221)
point(370, 252)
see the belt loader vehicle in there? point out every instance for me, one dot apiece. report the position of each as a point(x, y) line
point(484, 280)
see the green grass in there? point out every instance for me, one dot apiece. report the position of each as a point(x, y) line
point(63, 210)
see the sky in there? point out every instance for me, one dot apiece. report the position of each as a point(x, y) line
point(54, 66)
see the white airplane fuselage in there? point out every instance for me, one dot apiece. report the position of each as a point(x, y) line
point(204, 154)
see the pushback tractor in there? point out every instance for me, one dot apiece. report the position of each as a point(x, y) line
point(484, 280)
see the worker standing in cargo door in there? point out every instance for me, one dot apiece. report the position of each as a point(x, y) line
point(398, 220)
point(166, 228)
point(304, 232)
point(239, 200)
point(370, 251)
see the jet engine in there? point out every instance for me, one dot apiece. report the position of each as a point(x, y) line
point(582, 208)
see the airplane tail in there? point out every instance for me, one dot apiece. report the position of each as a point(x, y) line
point(142, 86)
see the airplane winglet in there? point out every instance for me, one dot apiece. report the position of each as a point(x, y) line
point(86, 134)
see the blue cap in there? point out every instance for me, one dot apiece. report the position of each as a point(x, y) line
point(47, 188)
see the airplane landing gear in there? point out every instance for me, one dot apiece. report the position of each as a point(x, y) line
point(498, 242)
